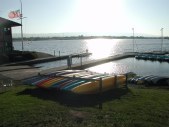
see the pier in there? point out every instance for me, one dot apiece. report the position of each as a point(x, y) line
point(47, 59)
point(23, 71)
point(91, 63)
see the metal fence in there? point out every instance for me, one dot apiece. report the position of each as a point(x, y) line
point(5, 83)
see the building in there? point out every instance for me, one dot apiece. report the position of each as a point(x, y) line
point(6, 44)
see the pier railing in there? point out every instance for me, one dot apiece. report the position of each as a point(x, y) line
point(5, 83)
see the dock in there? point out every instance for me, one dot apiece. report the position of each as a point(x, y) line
point(47, 59)
point(91, 63)
point(103, 60)
point(23, 71)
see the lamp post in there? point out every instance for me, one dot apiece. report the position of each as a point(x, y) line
point(162, 39)
point(21, 17)
point(133, 38)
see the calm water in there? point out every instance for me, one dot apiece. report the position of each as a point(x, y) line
point(102, 48)
point(140, 67)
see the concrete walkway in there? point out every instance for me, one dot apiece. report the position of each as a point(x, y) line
point(10, 68)
point(18, 72)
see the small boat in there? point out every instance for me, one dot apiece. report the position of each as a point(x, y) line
point(77, 81)
point(132, 80)
point(93, 87)
point(160, 81)
point(159, 57)
point(141, 80)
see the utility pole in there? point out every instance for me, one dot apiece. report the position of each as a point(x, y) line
point(21, 17)
point(162, 39)
point(133, 38)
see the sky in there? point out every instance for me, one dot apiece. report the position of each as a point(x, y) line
point(91, 17)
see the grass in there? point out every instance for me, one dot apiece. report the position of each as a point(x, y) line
point(134, 107)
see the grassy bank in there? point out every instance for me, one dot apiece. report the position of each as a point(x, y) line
point(29, 106)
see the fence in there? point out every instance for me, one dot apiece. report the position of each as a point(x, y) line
point(5, 83)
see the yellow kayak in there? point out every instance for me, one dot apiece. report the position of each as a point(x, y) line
point(108, 83)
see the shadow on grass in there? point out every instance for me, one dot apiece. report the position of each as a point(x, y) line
point(75, 100)
point(2, 92)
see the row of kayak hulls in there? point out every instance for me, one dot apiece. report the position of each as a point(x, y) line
point(81, 82)
point(152, 57)
point(108, 83)
point(150, 80)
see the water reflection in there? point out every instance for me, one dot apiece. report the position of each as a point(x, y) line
point(140, 67)
point(111, 68)
point(101, 48)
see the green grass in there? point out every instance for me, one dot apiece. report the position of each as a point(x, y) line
point(133, 107)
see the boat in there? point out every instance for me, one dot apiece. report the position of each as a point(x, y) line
point(79, 82)
point(142, 79)
point(148, 80)
point(94, 87)
point(158, 57)
point(160, 81)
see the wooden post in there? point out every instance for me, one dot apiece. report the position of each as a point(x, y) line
point(100, 93)
point(54, 52)
point(115, 81)
point(1, 85)
point(81, 61)
point(11, 83)
point(126, 80)
point(69, 62)
point(59, 53)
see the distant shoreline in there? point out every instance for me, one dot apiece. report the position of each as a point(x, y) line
point(81, 37)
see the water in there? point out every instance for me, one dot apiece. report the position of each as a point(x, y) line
point(98, 47)
point(101, 48)
point(140, 67)
point(49, 46)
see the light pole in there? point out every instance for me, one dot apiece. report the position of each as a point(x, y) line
point(133, 38)
point(21, 17)
point(162, 39)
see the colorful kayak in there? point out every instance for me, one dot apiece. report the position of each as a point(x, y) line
point(80, 81)
point(108, 83)
point(77, 81)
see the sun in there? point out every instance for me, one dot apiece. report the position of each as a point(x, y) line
point(100, 15)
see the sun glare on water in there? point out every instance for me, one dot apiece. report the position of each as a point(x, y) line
point(101, 48)
point(110, 68)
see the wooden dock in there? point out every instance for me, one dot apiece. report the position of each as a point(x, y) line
point(91, 63)
point(47, 59)
point(22, 72)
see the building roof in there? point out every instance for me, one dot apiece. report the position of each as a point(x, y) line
point(7, 23)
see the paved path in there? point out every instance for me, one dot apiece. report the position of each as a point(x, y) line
point(18, 72)
point(10, 68)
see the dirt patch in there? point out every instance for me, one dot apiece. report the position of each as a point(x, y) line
point(78, 116)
